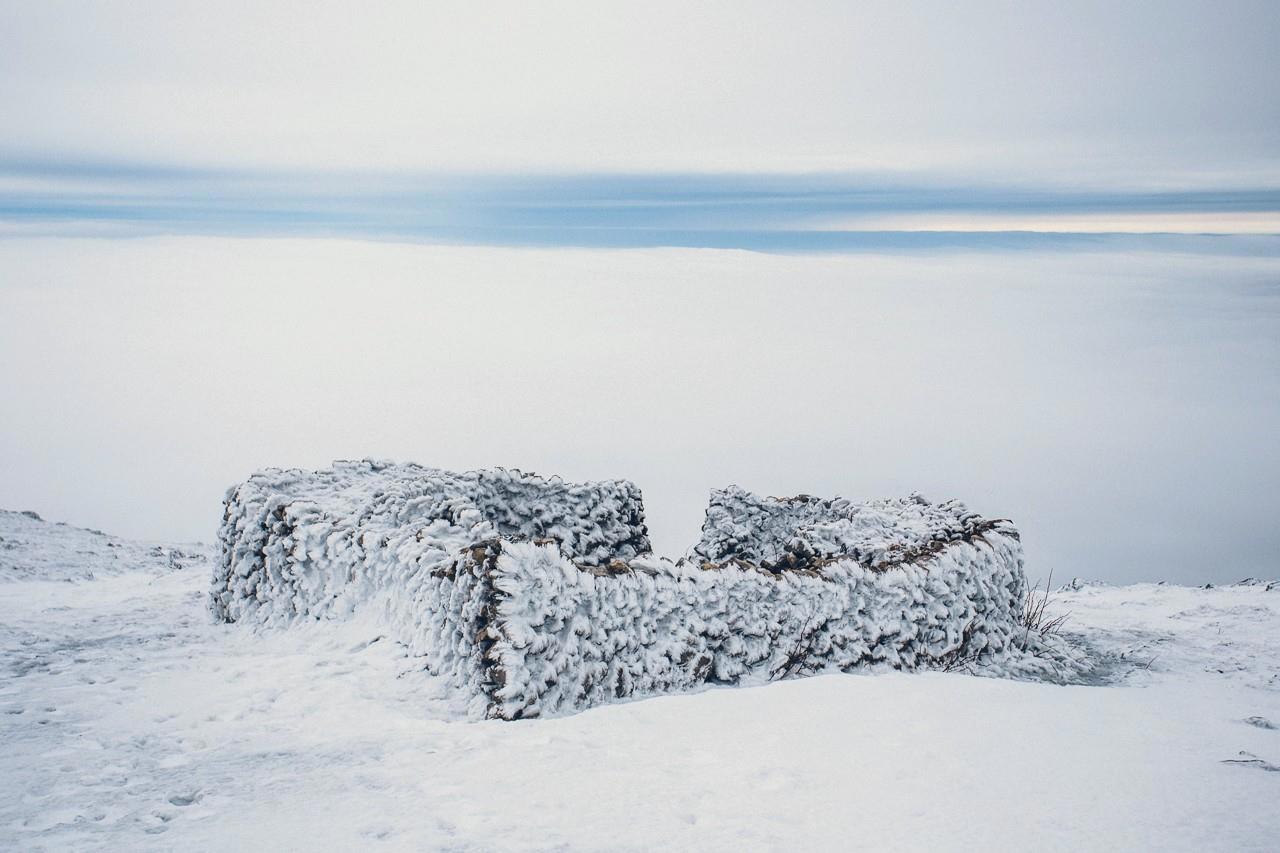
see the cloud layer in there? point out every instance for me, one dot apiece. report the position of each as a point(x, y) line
point(775, 212)
point(1120, 407)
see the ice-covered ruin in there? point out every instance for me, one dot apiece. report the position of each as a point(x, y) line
point(535, 597)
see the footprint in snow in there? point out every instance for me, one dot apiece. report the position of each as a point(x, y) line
point(1260, 722)
point(184, 799)
point(1248, 759)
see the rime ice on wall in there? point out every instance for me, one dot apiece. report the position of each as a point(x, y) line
point(540, 635)
point(782, 533)
point(319, 543)
point(536, 597)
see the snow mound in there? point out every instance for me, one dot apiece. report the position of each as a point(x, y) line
point(536, 597)
point(32, 549)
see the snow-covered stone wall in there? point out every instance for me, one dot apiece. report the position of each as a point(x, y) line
point(537, 597)
point(319, 543)
point(534, 633)
point(783, 533)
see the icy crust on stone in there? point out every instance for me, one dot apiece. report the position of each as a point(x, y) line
point(529, 633)
point(535, 597)
point(782, 533)
point(318, 543)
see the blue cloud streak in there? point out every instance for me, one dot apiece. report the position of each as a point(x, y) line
point(779, 213)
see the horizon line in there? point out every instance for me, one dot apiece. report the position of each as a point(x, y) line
point(769, 211)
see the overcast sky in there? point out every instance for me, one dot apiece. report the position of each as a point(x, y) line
point(259, 180)
point(1138, 92)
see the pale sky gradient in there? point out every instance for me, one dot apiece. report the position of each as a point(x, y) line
point(1145, 93)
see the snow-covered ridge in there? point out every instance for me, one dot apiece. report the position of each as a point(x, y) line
point(34, 549)
point(535, 596)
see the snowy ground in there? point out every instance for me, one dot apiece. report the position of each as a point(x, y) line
point(130, 721)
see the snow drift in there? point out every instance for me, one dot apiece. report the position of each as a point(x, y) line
point(539, 597)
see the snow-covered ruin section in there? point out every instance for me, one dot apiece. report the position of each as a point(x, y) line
point(321, 543)
point(535, 597)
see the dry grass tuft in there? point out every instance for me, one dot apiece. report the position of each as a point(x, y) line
point(1034, 615)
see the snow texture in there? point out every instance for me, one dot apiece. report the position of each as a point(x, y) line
point(131, 721)
point(535, 597)
point(34, 549)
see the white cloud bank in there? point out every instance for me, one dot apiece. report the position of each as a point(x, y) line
point(1121, 222)
point(1122, 409)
